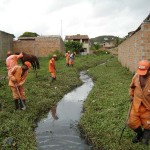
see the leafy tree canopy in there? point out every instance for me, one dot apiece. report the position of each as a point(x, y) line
point(73, 46)
point(95, 47)
point(29, 34)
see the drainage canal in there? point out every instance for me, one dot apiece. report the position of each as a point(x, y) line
point(59, 130)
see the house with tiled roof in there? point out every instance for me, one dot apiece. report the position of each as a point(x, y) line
point(84, 39)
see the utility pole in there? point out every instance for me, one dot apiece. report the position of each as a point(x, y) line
point(61, 30)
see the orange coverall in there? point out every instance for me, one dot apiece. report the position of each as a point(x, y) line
point(52, 68)
point(71, 59)
point(67, 55)
point(140, 111)
point(15, 74)
point(11, 61)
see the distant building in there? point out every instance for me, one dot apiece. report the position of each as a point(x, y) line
point(108, 42)
point(105, 41)
point(6, 44)
point(84, 39)
point(40, 46)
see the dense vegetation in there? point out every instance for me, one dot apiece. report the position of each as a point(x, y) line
point(29, 34)
point(73, 46)
point(105, 108)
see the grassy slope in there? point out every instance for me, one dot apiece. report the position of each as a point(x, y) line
point(41, 96)
point(106, 108)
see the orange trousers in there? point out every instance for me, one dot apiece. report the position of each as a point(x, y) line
point(67, 60)
point(140, 118)
point(15, 92)
point(53, 74)
point(71, 62)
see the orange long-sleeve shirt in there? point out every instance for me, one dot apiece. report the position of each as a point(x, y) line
point(12, 61)
point(52, 66)
point(67, 55)
point(140, 95)
point(16, 74)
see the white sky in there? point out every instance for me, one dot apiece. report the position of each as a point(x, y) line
point(70, 17)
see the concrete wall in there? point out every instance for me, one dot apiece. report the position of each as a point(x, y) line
point(108, 44)
point(135, 48)
point(6, 44)
point(87, 46)
point(41, 46)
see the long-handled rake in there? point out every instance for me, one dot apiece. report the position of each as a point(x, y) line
point(125, 122)
point(24, 107)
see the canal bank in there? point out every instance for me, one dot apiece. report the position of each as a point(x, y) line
point(60, 129)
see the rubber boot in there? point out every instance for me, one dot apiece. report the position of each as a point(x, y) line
point(16, 101)
point(52, 79)
point(146, 137)
point(139, 135)
point(22, 104)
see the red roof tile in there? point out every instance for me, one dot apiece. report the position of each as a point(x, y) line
point(76, 37)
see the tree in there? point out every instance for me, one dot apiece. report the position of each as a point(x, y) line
point(74, 46)
point(118, 41)
point(95, 47)
point(29, 34)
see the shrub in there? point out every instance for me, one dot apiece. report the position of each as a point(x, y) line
point(56, 52)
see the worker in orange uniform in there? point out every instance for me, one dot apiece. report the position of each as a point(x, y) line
point(71, 59)
point(67, 55)
point(12, 60)
point(52, 68)
point(17, 77)
point(139, 116)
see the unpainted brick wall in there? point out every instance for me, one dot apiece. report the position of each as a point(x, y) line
point(6, 44)
point(27, 46)
point(41, 47)
point(135, 48)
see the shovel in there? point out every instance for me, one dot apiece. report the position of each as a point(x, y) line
point(125, 122)
point(24, 107)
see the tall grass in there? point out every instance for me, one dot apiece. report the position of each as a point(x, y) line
point(41, 96)
point(105, 108)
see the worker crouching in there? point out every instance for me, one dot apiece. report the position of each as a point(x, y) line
point(139, 117)
point(17, 79)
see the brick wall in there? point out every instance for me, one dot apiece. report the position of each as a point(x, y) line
point(27, 46)
point(6, 44)
point(135, 48)
point(41, 46)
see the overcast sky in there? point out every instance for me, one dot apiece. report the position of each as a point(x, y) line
point(70, 17)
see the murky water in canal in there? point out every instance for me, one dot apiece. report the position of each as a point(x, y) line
point(59, 130)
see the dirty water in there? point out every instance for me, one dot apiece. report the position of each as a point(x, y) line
point(59, 130)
